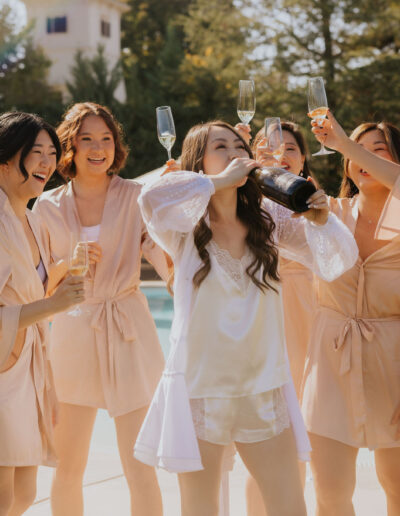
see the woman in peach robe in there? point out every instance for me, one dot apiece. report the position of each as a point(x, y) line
point(29, 151)
point(114, 360)
point(297, 281)
point(352, 381)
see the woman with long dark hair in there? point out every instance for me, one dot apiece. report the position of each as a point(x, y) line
point(227, 368)
point(351, 389)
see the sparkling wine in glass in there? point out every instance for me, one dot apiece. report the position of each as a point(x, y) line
point(78, 264)
point(274, 138)
point(246, 106)
point(166, 128)
point(318, 106)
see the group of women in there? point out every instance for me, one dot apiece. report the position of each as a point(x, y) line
point(269, 309)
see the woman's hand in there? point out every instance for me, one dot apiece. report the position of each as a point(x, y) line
point(235, 172)
point(93, 249)
point(245, 132)
point(264, 154)
point(69, 293)
point(329, 132)
point(171, 166)
point(319, 208)
point(396, 421)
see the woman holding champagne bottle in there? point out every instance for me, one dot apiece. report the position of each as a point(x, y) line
point(114, 359)
point(351, 393)
point(29, 152)
point(227, 370)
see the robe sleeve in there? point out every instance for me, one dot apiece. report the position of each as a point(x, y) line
point(172, 206)
point(9, 315)
point(389, 223)
point(328, 250)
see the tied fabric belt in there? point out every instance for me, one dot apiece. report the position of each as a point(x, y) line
point(349, 343)
point(111, 314)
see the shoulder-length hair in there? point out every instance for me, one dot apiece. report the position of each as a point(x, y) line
point(391, 134)
point(249, 210)
point(18, 132)
point(294, 129)
point(69, 129)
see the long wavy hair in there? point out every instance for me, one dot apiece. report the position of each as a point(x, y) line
point(294, 129)
point(249, 210)
point(391, 134)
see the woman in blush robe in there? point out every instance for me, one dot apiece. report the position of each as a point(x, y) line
point(109, 356)
point(351, 388)
point(29, 151)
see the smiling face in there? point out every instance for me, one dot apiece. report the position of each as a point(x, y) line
point(292, 159)
point(94, 147)
point(223, 146)
point(40, 163)
point(374, 141)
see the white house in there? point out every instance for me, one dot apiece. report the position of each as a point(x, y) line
point(64, 26)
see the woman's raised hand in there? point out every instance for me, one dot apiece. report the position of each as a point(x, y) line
point(264, 154)
point(245, 132)
point(171, 166)
point(329, 132)
point(234, 173)
point(93, 250)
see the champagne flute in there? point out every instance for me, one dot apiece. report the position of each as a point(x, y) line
point(166, 128)
point(78, 265)
point(246, 106)
point(273, 134)
point(318, 106)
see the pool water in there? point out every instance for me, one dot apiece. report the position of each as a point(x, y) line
point(162, 309)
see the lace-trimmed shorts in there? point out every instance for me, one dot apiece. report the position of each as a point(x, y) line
point(247, 419)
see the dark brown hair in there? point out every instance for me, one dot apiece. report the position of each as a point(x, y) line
point(294, 129)
point(258, 221)
point(391, 134)
point(70, 126)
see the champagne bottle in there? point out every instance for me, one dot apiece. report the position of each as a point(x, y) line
point(283, 187)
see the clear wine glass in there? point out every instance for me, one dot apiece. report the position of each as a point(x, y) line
point(274, 138)
point(78, 264)
point(166, 128)
point(246, 106)
point(318, 106)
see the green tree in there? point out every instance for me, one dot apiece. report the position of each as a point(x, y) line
point(92, 80)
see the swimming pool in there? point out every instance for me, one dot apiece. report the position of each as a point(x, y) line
point(162, 309)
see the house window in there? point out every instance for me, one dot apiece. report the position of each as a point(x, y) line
point(58, 24)
point(105, 29)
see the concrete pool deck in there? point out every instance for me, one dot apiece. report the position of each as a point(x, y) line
point(106, 493)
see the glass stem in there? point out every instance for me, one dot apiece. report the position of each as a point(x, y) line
point(169, 154)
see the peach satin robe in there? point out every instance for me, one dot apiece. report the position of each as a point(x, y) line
point(108, 357)
point(298, 309)
point(27, 394)
point(352, 378)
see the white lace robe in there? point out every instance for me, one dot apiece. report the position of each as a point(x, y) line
point(171, 208)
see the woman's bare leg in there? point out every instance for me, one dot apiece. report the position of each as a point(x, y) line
point(200, 489)
point(6, 489)
point(142, 479)
point(387, 462)
point(24, 489)
point(72, 440)
point(254, 500)
point(334, 471)
point(274, 466)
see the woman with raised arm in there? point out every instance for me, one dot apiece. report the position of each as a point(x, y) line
point(351, 394)
point(297, 280)
point(227, 371)
point(29, 152)
point(109, 356)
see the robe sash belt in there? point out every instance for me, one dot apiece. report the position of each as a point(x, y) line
point(110, 313)
point(349, 343)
